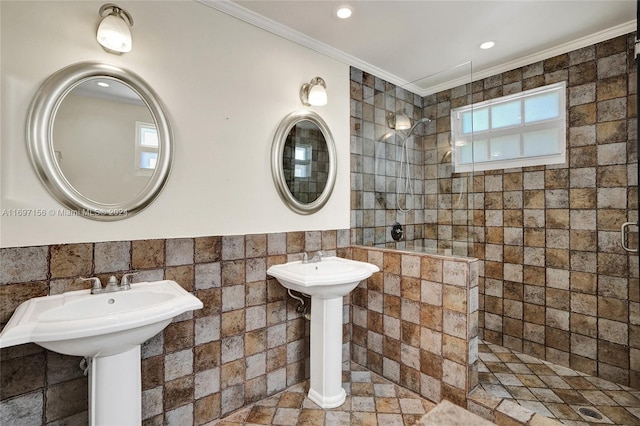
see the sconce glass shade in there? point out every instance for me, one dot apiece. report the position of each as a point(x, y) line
point(314, 93)
point(114, 34)
point(398, 121)
point(317, 95)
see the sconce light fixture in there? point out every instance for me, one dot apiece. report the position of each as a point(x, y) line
point(314, 93)
point(114, 34)
point(398, 121)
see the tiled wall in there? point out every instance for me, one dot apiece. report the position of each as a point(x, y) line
point(376, 159)
point(246, 343)
point(556, 282)
point(438, 219)
point(415, 322)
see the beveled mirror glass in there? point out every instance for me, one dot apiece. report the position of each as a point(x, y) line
point(303, 161)
point(99, 140)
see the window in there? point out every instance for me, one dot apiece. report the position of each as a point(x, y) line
point(303, 161)
point(146, 147)
point(524, 129)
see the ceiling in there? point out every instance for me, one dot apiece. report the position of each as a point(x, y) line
point(429, 46)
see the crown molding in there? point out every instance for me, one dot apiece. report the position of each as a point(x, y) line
point(591, 39)
point(253, 18)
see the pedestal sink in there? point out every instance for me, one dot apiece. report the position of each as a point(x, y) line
point(107, 329)
point(326, 281)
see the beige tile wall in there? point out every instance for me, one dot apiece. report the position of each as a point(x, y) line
point(415, 322)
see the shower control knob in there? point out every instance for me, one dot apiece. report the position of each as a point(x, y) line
point(396, 232)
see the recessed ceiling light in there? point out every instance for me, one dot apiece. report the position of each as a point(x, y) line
point(102, 84)
point(487, 45)
point(343, 12)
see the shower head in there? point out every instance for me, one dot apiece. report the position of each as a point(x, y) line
point(422, 120)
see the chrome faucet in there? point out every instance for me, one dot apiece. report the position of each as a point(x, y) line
point(112, 284)
point(315, 259)
point(125, 282)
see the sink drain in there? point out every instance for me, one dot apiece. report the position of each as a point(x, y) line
point(590, 413)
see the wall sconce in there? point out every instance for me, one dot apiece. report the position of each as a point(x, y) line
point(398, 121)
point(114, 34)
point(314, 93)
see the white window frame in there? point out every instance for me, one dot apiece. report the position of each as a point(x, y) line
point(460, 139)
point(140, 148)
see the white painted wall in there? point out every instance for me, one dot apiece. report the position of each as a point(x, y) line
point(226, 85)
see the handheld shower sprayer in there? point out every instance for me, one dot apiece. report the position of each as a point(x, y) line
point(404, 182)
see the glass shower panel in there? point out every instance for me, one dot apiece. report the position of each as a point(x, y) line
point(448, 218)
point(402, 183)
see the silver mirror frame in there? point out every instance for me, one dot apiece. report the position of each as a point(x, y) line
point(40, 120)
point(277, 170)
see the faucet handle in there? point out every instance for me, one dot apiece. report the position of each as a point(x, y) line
point(96, 284)
point(125, 281)
point(305, 258)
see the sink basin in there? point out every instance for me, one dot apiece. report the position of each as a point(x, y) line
point(83, 324)
point(332, 277)
point(326, 282)
point(107, 329)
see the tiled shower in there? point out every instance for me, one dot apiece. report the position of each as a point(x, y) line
point(554, 281)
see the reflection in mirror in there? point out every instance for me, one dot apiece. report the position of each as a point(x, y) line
point(106, 140)
point(99, 140)
point(305, 161)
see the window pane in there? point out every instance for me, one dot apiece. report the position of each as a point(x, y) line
point(541, 107)
point(302, 171)
point(148, 160)
point(543, 142)
point(505, 147)
point(507, 114)
point(480, 121)
point(464, 152)
point(480, 151)
point(148, 136)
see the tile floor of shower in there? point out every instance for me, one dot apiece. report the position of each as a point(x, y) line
point(560, 393)
point(506, 377)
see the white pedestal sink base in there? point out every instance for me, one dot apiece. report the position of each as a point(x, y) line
point(326, 281)
point(115, 389)
point(326, 352)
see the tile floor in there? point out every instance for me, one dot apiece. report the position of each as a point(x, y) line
point(555, 391)
point(371, 400)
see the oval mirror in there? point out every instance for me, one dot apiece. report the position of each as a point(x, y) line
point(99, 140)
point(303, 161)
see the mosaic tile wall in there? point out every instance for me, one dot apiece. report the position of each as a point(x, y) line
point(247, 342)
point(415, 322)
